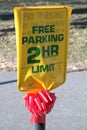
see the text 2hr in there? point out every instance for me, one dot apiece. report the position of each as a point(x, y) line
point(46, 51)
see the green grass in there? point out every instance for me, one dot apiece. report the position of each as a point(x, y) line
point(78, 45)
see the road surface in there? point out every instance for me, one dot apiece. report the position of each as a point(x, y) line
point(69, 112)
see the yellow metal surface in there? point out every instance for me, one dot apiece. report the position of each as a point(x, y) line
point(42, 42)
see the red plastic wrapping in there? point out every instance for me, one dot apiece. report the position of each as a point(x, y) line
point(39, 105)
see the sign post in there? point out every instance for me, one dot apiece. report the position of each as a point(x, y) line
point(42, 34)
point(39, 126)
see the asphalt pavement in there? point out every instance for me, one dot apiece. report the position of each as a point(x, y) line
point(69, 112)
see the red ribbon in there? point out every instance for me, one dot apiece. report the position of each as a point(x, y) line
point(39, 105)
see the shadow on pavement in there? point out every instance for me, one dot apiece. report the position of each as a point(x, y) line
point(8, 82)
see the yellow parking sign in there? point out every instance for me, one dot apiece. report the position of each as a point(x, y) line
point(42, 34)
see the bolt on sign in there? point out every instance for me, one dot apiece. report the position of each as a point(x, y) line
point(42, 42)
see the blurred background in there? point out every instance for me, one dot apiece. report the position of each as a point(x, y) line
point(77, 52)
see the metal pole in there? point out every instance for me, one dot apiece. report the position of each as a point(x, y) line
point(40, 126)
